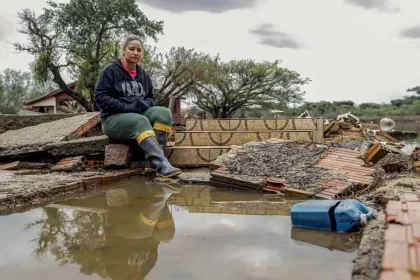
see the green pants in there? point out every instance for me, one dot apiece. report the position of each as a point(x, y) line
point(129, 126)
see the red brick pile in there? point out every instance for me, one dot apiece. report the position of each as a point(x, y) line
point(401, 257)
point(344, 162)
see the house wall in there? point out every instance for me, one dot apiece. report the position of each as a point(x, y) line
point(62, 97)
point(51, 101)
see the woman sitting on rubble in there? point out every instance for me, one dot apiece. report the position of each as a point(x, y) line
point(124, 94)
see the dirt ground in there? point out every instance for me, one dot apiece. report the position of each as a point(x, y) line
point(368, 262)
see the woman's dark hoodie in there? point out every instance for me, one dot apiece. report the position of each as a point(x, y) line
point(117, 92)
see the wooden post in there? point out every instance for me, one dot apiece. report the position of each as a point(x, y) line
point(171, 103)
point(318, 134)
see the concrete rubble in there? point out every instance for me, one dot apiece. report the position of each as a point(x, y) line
point(117, 156)
point(70, 154)
point(35, 139)
point(293, 161)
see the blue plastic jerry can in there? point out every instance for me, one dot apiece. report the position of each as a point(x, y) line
point(351, 215)
point(333, 215)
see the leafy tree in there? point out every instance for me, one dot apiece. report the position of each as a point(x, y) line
point(414, 89)
point(343, 103)
point(369, 105)
point(227, 87)
point(174, 73)
point(80, 37)
point(16, 87)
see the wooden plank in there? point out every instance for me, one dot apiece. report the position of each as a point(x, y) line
point(252, 182)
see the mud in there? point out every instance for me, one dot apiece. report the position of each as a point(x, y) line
point(291, 160)
point(369, 257)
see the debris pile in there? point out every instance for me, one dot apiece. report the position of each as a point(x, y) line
point(293, 161)
point(294, 168)
point(71, 144)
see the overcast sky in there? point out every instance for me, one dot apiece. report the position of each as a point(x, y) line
point(364, 50)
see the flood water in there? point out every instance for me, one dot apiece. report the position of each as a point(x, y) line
point(142, 230)
point(410, 144)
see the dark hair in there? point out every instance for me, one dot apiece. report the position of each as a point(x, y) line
point(129, 39)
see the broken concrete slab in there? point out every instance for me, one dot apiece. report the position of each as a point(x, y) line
point(33, 138)
point(13, 122)
point(83, 146)
point(20, 192)
point(25, 165)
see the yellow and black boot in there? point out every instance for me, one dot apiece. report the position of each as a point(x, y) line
point(162, 131)
point(155, 156)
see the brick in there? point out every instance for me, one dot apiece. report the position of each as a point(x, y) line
point(407, 218)
point(409, 197)
point(396, 233)
point(117, 156)
point(10, 166)
point(333, 191)
point(413, 206)
point(95, 164)
point(395, 275)
point(395, 256)
point(393, 205)
point(402, 218)
point(416, 231)
point(410, 238)
point(78, 163)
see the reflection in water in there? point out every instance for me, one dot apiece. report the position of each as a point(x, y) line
point(128, 233)
point(118, 239)
point(331, 241)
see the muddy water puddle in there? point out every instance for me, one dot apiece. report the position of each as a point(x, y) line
point(142, 230)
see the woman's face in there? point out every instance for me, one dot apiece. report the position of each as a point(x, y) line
point(133, 52)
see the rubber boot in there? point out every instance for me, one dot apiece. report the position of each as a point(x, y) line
point(157, 160)
point(162, 138)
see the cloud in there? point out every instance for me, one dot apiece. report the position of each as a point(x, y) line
point(213, 6)
point(411, 32)
point(6, 27)
point(383, 5)
point(274, 38)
